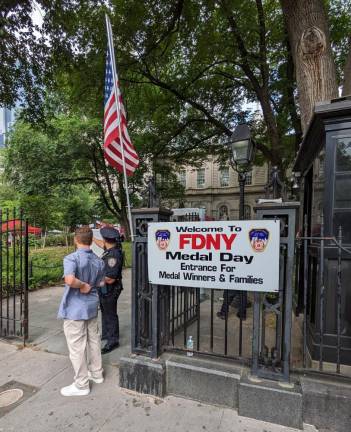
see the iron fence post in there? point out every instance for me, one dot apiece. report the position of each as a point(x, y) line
point(305, 281)
point(274, 363)
point(26, 284)
point(338, 313)
point(322, 293)
point(146, 309)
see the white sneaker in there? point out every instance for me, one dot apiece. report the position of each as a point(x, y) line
point(95, 380)
point(73, 390)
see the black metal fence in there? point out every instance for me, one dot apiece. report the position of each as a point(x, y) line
point(213, 319)
point(14, 250)
point(322, 288)
point(260, 329)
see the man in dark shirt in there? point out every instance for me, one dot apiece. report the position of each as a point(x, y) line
point(113, 259)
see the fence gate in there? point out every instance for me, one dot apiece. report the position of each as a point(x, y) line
point(14, 248)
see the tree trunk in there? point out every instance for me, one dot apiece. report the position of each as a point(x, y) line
point(315, 69)
point(346, 89)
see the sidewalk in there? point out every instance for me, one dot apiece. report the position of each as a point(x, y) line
point(108, 408)
point(44, 364)
point(46, 333)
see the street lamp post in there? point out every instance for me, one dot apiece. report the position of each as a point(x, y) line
point(242, 149)
point(242, 181)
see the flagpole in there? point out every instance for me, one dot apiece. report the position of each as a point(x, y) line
point(114, 73)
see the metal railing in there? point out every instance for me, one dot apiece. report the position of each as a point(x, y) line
point(320, 255)
point(163, 317)
point(14, 250)
point(207, 316)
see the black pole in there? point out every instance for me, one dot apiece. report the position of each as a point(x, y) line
point(26, 283)
point(243, 294)
point(242, 179)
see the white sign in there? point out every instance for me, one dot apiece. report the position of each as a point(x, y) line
point(94, 246)
point(235, 255)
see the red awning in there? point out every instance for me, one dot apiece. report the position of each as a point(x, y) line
point(34, 230)
point(15, 225)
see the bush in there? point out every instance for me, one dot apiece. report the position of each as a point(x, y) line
point(34, 241)
point(46, 264)
point(127, 249)
point(58, 240)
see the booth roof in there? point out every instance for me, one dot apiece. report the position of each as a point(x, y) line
point(330, 110)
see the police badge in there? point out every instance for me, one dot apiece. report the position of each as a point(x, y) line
point(259, 239)
point(112, 262)
point(162, 239)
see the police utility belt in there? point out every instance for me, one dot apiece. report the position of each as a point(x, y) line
point(108, 289)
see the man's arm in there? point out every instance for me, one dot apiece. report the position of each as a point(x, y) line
point(99, 242)
point(109, 280)
point(73, 282)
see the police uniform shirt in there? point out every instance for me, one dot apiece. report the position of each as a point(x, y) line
point(113, 263)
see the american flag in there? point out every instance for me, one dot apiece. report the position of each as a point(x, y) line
point(116, 125)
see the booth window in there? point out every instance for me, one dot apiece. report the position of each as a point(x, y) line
point(342, 190)
point(317, 193)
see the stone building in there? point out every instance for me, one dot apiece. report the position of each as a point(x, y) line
point(216, 188)
point(7, 118)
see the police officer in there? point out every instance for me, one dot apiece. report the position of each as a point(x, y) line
point(110, 292)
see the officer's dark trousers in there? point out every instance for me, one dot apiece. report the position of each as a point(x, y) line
point(229, 297)
point(109, 317)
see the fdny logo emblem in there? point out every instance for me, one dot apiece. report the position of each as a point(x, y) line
point(162, 239)
point(259, 239)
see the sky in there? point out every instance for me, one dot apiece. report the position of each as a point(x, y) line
point(37, 14)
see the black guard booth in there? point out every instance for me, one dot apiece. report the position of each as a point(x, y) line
point(324, 163)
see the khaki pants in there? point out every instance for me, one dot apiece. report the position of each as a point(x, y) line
point(84, 346)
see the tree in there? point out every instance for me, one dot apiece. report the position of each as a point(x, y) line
point(9, 198)
point(319, 32)
point(187, 70)
point(77, 207)
point(182, 68)
point(346, 90)
point(51, 162)
point(22, 56)
point(312, 53)
point(41, 211)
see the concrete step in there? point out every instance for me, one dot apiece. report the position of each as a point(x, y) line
point(327, 403)
point(271, 401)
point(312, 400)
point(212, 381)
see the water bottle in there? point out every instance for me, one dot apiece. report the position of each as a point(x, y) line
point(190, 346)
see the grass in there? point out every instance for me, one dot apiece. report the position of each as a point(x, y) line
point(127, 249)
point(46, 264)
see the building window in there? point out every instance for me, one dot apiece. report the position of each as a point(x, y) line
point(247, 212)
point(224, 177)
point(182, 178)
point(248, 180)
point(201, 177)
point(223, 213)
